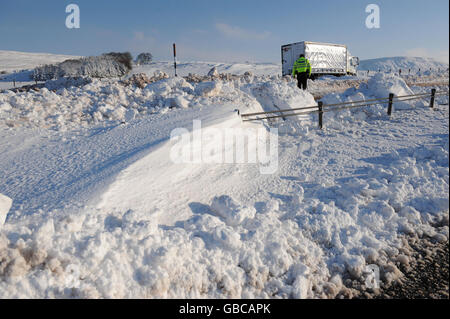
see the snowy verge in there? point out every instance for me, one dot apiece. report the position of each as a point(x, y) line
point(378, 87)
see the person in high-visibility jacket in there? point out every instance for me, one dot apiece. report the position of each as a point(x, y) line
point(302, 68)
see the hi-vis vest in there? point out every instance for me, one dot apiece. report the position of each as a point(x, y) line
point(301, 65)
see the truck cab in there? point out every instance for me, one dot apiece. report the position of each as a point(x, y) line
point(352, 64)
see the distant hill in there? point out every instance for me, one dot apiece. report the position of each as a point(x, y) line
point(401, 62)
point(16, 61)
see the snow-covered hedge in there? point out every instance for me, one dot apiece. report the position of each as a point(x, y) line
point(144, 58)
point(106, 65)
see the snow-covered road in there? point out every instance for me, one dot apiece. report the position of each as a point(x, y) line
point(48, 170)
point(156, 183)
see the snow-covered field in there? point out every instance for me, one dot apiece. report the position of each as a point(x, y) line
point(202, 68)
point(404, 63)
point(16, 66)
point(101, 209)
point(16, 61)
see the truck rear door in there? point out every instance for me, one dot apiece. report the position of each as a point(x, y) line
point(286, 59)
point(289, 54)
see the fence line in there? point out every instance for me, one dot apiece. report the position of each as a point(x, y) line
point(322, 108)
point(327, 105)
point(278, 116)
point(279, 111)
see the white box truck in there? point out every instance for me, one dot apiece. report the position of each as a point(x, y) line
point(325, 58)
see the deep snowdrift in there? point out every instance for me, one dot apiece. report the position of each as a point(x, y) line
point(378, 86)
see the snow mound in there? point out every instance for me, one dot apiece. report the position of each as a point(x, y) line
point(69, 103)
point(170, 86)
point(91, 103)
point(141, 80)
point(66, 82)
point(125, 255)
point(279, 95)
point(230, 211)
point(380, 85)
point(208, 88)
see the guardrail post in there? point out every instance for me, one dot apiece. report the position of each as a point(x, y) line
point(391, 98)
point(433, 93)
point(320, 114)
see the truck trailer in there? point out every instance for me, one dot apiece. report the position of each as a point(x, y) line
point(325, 58)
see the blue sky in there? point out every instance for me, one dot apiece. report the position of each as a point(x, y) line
point(244, 30)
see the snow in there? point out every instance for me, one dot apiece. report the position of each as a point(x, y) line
point(15, 61)
point(404, 63)
point(203, 68)
point(101, 210)
point(384, 64)
point(5, 205)
point(382, 84)
point(60, 107)
point(109, 65)
point(213, 72)
point(18, 65)
point(378, 86)
point(231, 212)
point(208, 88)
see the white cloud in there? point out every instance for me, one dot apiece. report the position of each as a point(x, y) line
point(240, 33)
point(141, 42)
point(441, 56)
point(139, 36)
